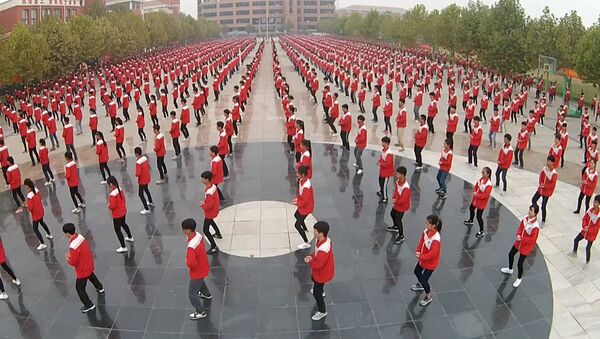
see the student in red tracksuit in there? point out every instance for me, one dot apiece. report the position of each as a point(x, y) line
point(589, 179)
point(223, 146)
point(211, 206)
point(140, 122)
point(322, 265)
point(401, 124)
point(589, 229)
point(345, 126)
point(360, 143)
point(216, 168)
point(52, 133)
point(527, 235)
point(80, 256)
point(4, 159)
point(31, 144)
point(475, 141)
point(34, 205)
point(229, 130)
point(401, 199)
point(297, 139)
point(13, 178)
point(445, 163)
point(428, 254)
point(45, 162)
point(160, 150)
point(420, 141)
point(72, 178)
point(386, 169)
point(505, 156)
point(118, 208)
point(481, 195)
point(376, 102)
point(142, 173)
point(102, 152)
point(522, 140)
point(120, 138)
point(388, 111)
point(93, 124)
point(305, 203)
point(556, 150)
point(175, 131)
point(4, 265)
point(184, 118)
point(67, 135)
point(196, 261)
point(547, 183)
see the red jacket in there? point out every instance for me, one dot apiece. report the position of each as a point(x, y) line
point(142, 170)
point(71, 174)
point(117, 204)
point(388, 109)
point(119, 134)
point(445, 162)
point(589, 180)
point(175, 130)
point(159, 145)
point(31, 140)
point(495, 124)
point(140, 121)
point(430, 248)
point(346, 122)
point(481, 193)
point(102, 151)
point(216, 168)
point(305, 200)
point(13, 177)
point(401, 118)
point(590, 225)
point(547, 181)
point(476, 136)
point(93, 122)
point(196, 259)
point(505, 157)
point(185, 115)
point(34, 205)
point(361, 137)
point(223, 145)
point(432, 109)
point(528, 230)
point(522, 139)
point(67, 134)
point(421, 136)
point(80, 256)
point(322, 263)
point(306, 160)
point(2, 253)
point(386, 163)
point(4, 156)
point(557, 153)
point(51, 125)
point(44, 158)
point(401, 197)
point(211, 204)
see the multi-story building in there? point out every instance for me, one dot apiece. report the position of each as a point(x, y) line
point(365, 9)
point(141, 7)
point(136, 6)
point(30, 12)
point(266, 15)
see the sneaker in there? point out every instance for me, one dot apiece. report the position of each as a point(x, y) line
point(399, 239)
point(572, 254)
point(144, 212)
point(379, 193)
point(16, 282)
point(198, 315)
point(417, 287)
point(3, 296)
point(52, 180)
point(418, 168)
point(443, 195)
point(383, 201)
point(303, 246)
point(76, 211)
point(121, 250)
point(41, 247)
point(438, 190)
point(218, 236)
point(359, 172)
point(479, 235)
point(19, 210)
point(103, 182)
point(517, 283)
point(85, 309)
point(334, 135)
point(175, 157)
point(101, 291)
point(468, 222)
point(160, 182)
point(575, 212)
point(49, 236)
point(82, 205)
point(506, 270)
point(355, 165)
point(151, 204)
point(425, 301)
point(47, 183)
point(204, 296)
point(318, 316)
point(392, 229)
point(213, 250)
point(129, 239)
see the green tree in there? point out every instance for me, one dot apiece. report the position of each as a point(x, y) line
point(27, 55)
point(415, 27)
point(588, 56)
point(446, 28)
point(570, 30)
point(353, 25)
point(371, 25)
point(542, 36)
point(65, 46)
point(470, 30)
point(88, 33)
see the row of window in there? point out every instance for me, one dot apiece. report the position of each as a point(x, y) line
point(54, 2)
point(271, 3)
point(30, 16)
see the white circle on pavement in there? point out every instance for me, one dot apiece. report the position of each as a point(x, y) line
point(260, 229)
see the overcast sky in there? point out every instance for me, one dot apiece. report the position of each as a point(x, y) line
point(589, 10)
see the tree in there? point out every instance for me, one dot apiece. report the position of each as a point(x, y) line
point(370, 25)
point(541, 36)
point(470, 30)
point(88, 33)
point(446, 25)
point(570, 30)
point(588, 56)
point(27, 55)
point(65, 46)
point(353, 25)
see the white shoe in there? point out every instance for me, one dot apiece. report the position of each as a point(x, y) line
point(304, 246)
point(144, 212)
point(318, 316)
point(175, 158)
point(16, 282)
point(47, 183)
point(160, 182)
point(19, 210)
point(517, 283)
point(49, 236)
point(129, 239)
point(121, 250)
point(82, 205)
point(334, 135)
point(506, 270)
point(76, 211)
point(3, 296)
point(359, 171)
point(234, 136)
point(52, 180)
point(150, 204)
point(103, 182)
point(41, 247)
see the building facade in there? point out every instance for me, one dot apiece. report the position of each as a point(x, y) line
point(29, 12)
point(364, 10)
point(266, 15)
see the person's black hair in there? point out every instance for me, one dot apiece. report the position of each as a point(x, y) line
point(488, 171)
point(66, 119)
point(345, 106)
point(214, 149)
point(436, 221)
point(300, 123)
point(386, 140)
point(423, 116)
point(536, 208)
point(188, 224)
point(69, 228)
point(303, 170)
point(69, 155)
point(173, 113)
point(322, 227)
point(156, 127)
point(42, 142)
point(100, 135)
point(306, 143)
point(227, 111)
point(450, 143)
point(10, 160)
point(508, 137)
point(28, 182)
point(551, 158)
point(401, 170)
point(361, 117)
point(220, 124)
point(137, 151)
point(597, 198)
point(207, 175)
point(477, 118)
point(113, 181)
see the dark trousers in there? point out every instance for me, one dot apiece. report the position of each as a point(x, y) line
point(375, 113)
point(588, 248)
point(388, 124)
point(511, 261)
point(358, 155)
point(430, 124)
point(176, 146)
point(587, 201)
point(142, 134)
point(501, 172)
point(345, 142)
point(230, 143)
point(450, 135)
point(418, 157)
point(9, 271)
point(80, 285)
point(162, 168)
point(141, 190)
point(184, 131)
point(16, 194)
point(71, 149)
point(441, 179)
point(318, 294)
point(221, 197)
point(206, 229)
point(300, 225)
point(383, 181)
point(473, 154)
point(34, 152)
point(472, 210)
point(75, 195)
point(518, 157)
point(36, 224)
point(397, 220)
point(534, 201)
point(330, 122)
point(120, 150)
point(225, 168)
point(119, 223)
point(104, 170)
point(47, 172)
point(467, 124)
point(423, 276)
point(154, 119)
point(197, 287)
point(94, 137)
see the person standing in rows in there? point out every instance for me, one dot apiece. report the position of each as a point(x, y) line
point(522, 140)
point(481, 195)
point(305, 158)
point(196, 261)
point(388, 111)
point(119, 139)
point(376, 102)
point(31, 144)
point(345, 126)
point(420, 141)
point(527, 235)
point(81, 258)
point(13, 177)
point(445, 163)
point(360, 143)
point(93, 124)
point(118, 208)
point(589, 230)
point(67, 135)
point(216, 168)
point(494, 128)
point(184, 117)
point(223, 146)
point(72, 177)
point(305, 204)
point(504, 160)
point(35, 207)
point(160, 150)
point(4, 155)
point(45, 162)
point(142, 173)
point(211, 206)
point(589, 179)
point(140, 122)
point(401, 199)
point(322, 265)
point(428, 254)
point(4, 265)
point(475, 141)
point(401, 124)
point(546, 184)
point(102, 152)
point(386, 169)
point(175, 131)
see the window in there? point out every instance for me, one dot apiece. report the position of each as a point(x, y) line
point(259, 11)
point(255, 21)
point(310, 3)
point(206, 15)
point(209, 6)
point(46, 12)
point(25, 16)
point(227, 13)
point(243, 21)
point(226, 5)
point(33, 16)
point(275, 3)
point(226, 21)
point(242, 12)
point(310, 10)
point(57, 13)
point(326, 11)
point(259, 3)
point(327, 3)
point(242, 4)
point(276, 11)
